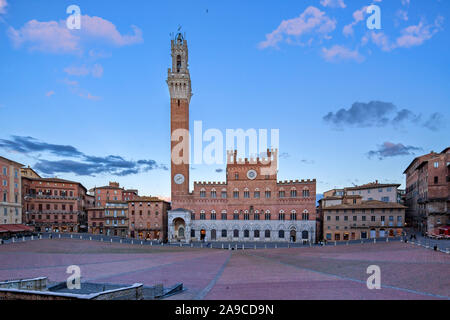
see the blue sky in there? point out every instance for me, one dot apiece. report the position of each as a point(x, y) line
point(352, 104)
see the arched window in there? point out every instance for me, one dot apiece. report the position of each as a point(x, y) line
point(305, 193)
point(224, 233)
point(281, 234)
point(293, 215)
point(213, 215)
point(246, 233)
point(202, 193)
point(192, 233)
point(213, 193)
point(236, 233)
point(202, 215)
point(267, 233)
point(305, 215)
point(256, 233)
point(305, 235)
point(293, 193)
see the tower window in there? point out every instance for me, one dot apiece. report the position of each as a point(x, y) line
point(178, 63)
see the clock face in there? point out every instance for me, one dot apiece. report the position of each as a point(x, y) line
point(178, 178)
point(251, 174)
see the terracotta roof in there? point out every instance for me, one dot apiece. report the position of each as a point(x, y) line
point(371, 204)
point(331, 198)
point(422, 157)
point(106, 187)
point(373, 185)
point(11, 161)
point(147, 199)
point(54, 180)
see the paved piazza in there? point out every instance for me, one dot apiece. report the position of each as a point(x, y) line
point(407, 271)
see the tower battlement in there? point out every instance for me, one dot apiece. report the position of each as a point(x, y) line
point(271, 157)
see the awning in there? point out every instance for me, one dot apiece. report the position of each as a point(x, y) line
point(15, 228)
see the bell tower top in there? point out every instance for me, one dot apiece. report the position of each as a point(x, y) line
point(179, 79)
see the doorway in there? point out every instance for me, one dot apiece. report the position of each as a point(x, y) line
point(202, 234)
point(293, 236)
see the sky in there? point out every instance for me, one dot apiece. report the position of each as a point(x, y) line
point(352, 104)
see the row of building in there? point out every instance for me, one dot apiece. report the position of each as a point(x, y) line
point(240, 209)
point(58, 205)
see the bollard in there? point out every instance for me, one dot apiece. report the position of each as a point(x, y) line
point(90, 238)
point(120, 241)
point(265, 246)
point(132, 242)
point(71, 236)
point(40, 236)
point(335, 243)
point(59, 235)
point(32, 238)
point(448, 250)
point(387, 240)
point(111, 240)
point(289, 245)
point(141, 243)
point(192, 245)
point(101, 239)
point(181, 244)
point(222, 245)
point(201, 245)
point(347, 243)
point(236, 246)
point(276, 246)
point(13, 240)
point(229, 246)
point(243, 247)
point(23, 239)
point(374, 240)
point(151, 244)
point(255, 246)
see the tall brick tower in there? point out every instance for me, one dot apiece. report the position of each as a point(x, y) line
point(179, 82)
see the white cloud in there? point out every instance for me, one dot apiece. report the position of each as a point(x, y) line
point(358, 16)
point(333, 3)
point(50, 93)
point(414, 35)
point(3, 5)
point(96, 71)
point(338, 53)
point(402, 15)
point(311, 21)
point(55, 37)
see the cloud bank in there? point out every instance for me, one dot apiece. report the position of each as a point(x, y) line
point(81, 164)
point(389, 149)
point(381, 114)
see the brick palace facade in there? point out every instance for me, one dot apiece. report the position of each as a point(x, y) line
point(251, 205)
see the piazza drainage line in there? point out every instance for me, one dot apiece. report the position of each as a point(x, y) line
point(202, 294)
